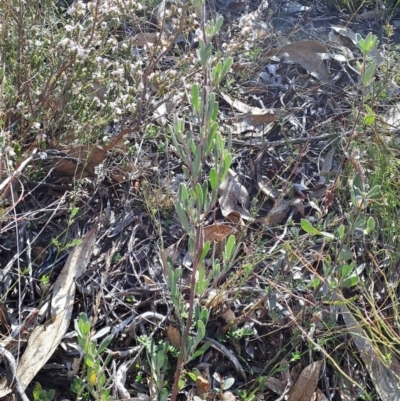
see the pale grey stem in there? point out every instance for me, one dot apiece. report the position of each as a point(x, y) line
point(11, 372)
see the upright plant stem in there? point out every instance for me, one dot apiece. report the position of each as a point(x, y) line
point(199, 244)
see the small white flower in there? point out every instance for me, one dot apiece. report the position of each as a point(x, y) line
point(99, 171)
point(112, 42)
point(42, 137)
point(64, 42)
point(119, 72)
point(20, 105)
point(36, 126)
point(69, 28)
point(82, 53)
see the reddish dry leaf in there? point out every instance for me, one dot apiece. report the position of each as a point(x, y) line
point(257, 119)
point(235, 218)
point(81, 163)
point(202, 385)
point(174, 336)
point(218, 232)
point(148, 280)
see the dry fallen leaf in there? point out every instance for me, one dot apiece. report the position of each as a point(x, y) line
point(321, 396)
point(44, 339)
point(276, 214)
point(255, 119)
point(252, 118)
point(306, 384)
point(348, 33)
point(266, 186)
point(228, 355)
point(283, 386)
point(81, 162)
point(144, 38)
point(298, 204)
point(313, 45)
point(236, 104)
point(307, 53)
point(233, 193)
point(294, 374)
point(121, 174)
point(328, 161)
point(375, 14)
point(392, 117)
point(235, 218)
point(215, 299)
point(345, 31)
point(276, 385)
point(227, 318)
